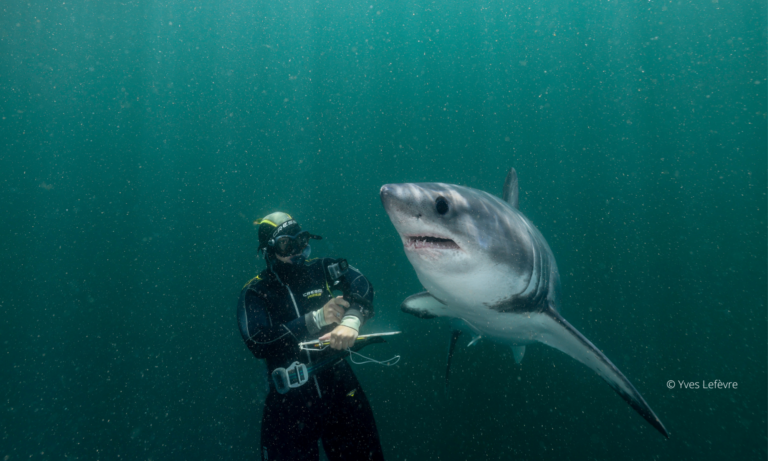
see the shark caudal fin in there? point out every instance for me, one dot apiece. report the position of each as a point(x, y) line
point(561, 335)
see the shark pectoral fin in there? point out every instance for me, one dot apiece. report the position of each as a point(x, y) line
point(510, 194)
point(561, 335)
point(423, 305)
point(451, 346)
point(519, 352)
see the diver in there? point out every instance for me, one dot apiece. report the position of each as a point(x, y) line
point(289, 302)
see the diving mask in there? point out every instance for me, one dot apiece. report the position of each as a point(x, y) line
point(289, 245)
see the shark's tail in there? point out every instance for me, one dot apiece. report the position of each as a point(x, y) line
point(563, 336)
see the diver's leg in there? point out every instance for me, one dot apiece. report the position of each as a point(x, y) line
point(350, 430)
point(287, 430)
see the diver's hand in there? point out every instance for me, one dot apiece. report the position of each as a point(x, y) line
point(341, 337)
point(334, 310)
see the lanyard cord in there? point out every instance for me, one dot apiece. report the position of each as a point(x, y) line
point(388, 363)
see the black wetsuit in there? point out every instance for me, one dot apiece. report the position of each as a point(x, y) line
point(274, 315)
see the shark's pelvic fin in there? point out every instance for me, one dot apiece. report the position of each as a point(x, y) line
point(423, 305)
point(461, 324)
point(474, 341)
point(519, 352)
point(510, 188)
point(561, 335)
point(451, 346)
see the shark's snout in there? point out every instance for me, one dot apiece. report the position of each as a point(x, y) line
point(393, 203)
point(389, 192)
point(392, 197)
point(386, 193)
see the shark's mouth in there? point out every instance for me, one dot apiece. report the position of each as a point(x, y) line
point(425, 242)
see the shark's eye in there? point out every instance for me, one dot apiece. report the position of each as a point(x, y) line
point(441, 205)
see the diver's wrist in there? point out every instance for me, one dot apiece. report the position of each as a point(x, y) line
point(319, 316)
point(351, 321)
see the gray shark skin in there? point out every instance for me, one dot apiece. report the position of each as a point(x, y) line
point(483, 262)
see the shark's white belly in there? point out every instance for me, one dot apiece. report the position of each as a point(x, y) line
point(484, 286)
point(512, 329)
point(468, 295)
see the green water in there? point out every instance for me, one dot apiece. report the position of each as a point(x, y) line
point(138, 141)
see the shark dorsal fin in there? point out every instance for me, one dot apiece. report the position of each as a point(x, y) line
point(510, 188)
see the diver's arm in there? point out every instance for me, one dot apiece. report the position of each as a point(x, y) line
point(357, 284)
point(360, 290)
point(332, 312)
point(259, 333)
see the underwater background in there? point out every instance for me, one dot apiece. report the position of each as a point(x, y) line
point(139, 140)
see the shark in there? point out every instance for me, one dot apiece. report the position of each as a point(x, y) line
point(485, 265)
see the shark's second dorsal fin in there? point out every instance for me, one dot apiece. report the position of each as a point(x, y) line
point(519, 352)
point(510, 188)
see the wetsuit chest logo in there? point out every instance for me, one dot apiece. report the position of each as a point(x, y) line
point(313, 294)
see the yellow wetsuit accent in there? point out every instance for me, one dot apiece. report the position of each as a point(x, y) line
point(251, 281)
